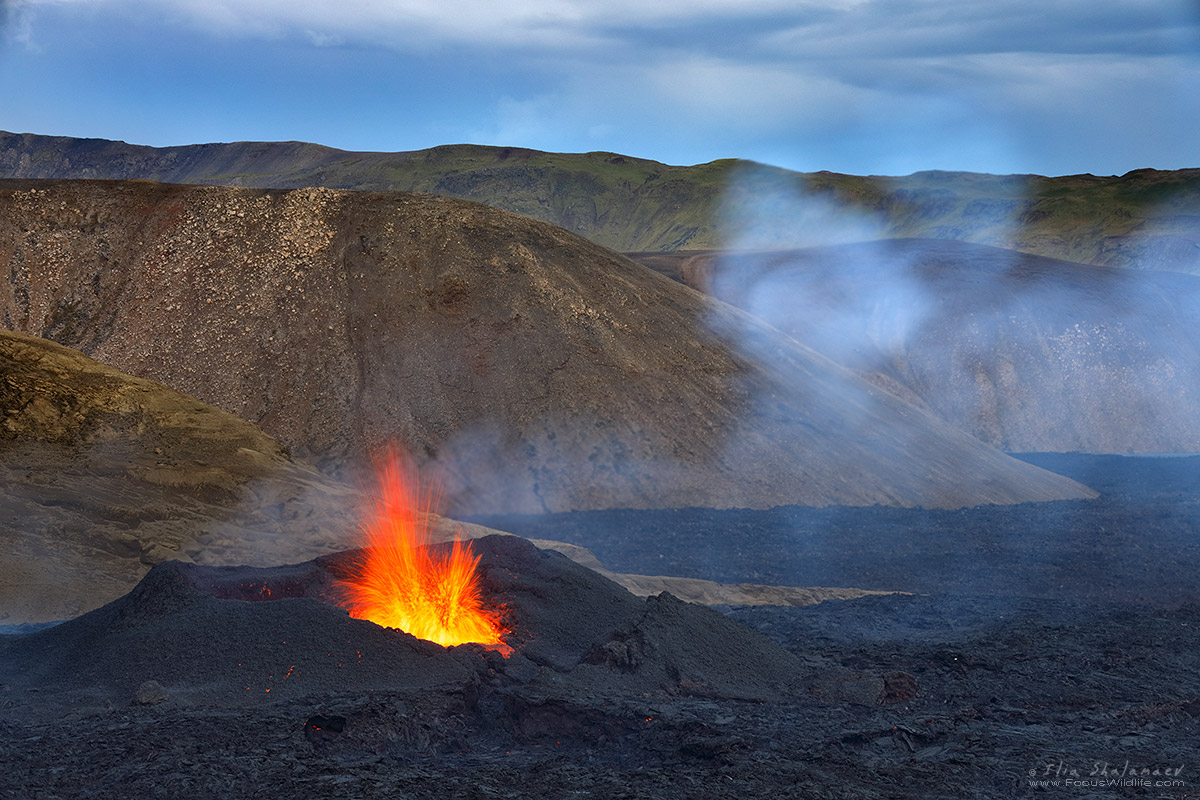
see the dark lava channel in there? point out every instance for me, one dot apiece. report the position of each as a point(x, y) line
point(1136, 543)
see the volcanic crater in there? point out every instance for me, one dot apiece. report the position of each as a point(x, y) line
point(228, 636)
point(192, 640)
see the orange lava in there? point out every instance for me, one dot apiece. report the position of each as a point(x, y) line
point(403, 583)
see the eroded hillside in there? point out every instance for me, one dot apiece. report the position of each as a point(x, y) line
point(535, 370)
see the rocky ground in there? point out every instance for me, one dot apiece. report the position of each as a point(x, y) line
point(1004, 700)
point(943, 693)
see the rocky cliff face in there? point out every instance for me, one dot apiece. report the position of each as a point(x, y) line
point(1025, 353)
point(536, 370)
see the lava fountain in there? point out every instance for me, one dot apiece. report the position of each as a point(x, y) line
point(402, 582)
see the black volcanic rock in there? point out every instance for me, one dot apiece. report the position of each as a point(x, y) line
point(1023, 352)
point(185, 628)
point(556, 608)
point(225, 652)
point(538, 371)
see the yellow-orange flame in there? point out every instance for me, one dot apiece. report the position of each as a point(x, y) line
point(403, 583)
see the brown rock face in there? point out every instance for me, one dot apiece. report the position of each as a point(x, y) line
point(537, 370)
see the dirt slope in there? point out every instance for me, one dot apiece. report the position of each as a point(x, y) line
point(537, 370)
point(1023, 352)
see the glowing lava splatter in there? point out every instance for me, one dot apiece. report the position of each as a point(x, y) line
point(403, 583)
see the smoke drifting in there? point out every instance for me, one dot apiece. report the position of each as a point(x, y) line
point(1023, 352)
point(543, 372)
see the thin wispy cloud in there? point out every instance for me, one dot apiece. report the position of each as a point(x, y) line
point(537, 24)
point(906, 28)
point(816, 29)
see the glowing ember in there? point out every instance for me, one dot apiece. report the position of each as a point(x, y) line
point(402, 583)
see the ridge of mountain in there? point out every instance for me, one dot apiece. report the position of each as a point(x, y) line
point(1146, 219)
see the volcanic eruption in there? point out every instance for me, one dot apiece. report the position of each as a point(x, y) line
point(399, 581)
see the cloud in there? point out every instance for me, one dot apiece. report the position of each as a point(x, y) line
point(689, 24)
point(925, 28)
point(516, 24)
point(746, 61)
point(853, 85)
point(324, 39)
point(1009, 112)
point(535, 119)
point(753, 96)
point(699, 103)
point(16, 23)
point(837, 38)
point(473, 20)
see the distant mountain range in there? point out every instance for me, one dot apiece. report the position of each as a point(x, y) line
point(1146, 219)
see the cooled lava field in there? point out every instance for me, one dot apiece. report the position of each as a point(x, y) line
point(1029, 650)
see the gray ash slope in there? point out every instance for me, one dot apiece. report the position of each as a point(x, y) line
point(1023, 352)
point(538, 371)
point(103, 475)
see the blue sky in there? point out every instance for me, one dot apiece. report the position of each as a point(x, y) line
point(860, 86)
